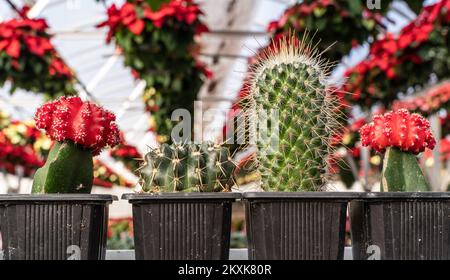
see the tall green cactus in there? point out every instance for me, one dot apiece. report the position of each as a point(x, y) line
point(289, 86)
point(68, 169)
point(187, 168)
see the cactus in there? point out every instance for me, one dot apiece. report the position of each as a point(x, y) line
point(290, 81)
point(187, 168)
point(68, 169)
point(401, 136)
point(80, 131)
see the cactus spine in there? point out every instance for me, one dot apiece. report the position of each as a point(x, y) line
point(187, 168)
point(290, 79)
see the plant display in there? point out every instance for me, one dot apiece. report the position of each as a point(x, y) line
point(81, 130)
point(13, 156)
point(157, 40)
point(431, 101)
point(16, 146)
point(29, 61)
point(401, 136)
point(128, 155)
point(105, 177)
point(120, 234)
point(421, 47)
point(339, 24)
point(188, 167)
point(291, 81)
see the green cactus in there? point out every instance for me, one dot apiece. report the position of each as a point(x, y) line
point(289, 83)
point(187, 168)
point(402, 173)
point(68, 169)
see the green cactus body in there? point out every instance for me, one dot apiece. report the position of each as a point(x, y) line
point(402, 173)
point(292, 84)
point(187, 168)
point(68, 169)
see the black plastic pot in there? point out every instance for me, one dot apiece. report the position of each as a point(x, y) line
point(182, 226)
point(401, 226)
point(54, 227)
point(296, 226)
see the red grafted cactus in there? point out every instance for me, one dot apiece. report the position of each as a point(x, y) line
point(83, 123)
point(399, 129)
point(401, 136)
point(81, 130)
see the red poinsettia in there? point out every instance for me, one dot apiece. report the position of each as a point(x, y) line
point(386, 71)
point(400, 129)
point(28, 35)
point(182, 10)
point(30, 61)
point(83, 123)
point(431, 101)
point(329, 19)
point(444, 148)
point(160, 46)
point(13, 156)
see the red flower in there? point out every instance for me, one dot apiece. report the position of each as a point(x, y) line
point(208, 73)
point(126, 16)
point(83, 123)
point(444, 148)
point(183, 10)
point(59, 68)
point(272, 27)
point(31, 32)
point(130, 19)
point(400, 129)
point(201, 28)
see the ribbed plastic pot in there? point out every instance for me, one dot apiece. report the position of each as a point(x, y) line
point(54, 226)
point(182, 226)
point(401, 226)
point(296, 226)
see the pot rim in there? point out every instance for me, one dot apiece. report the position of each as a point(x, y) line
point(57, 197)
point(405, 195)
point(301, 195)
point(136, 197)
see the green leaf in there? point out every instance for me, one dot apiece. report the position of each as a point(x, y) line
point(318, 12)
point(155, 4)
point(355, 8)
point(415, 6)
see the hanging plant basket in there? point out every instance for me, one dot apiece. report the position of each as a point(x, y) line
point(29, 61)
point(158, 42)
point(54, 227)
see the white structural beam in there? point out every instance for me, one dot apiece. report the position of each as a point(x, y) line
point(37, 8)
point(137, 91)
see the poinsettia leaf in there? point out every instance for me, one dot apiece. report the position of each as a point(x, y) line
point(415, 6)
point(155, 4)
point(355, 7)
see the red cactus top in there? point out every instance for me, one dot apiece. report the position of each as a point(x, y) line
point(400, 129)
point(84, 123)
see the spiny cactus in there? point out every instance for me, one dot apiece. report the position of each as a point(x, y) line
point(289, 87)
point(187, 168)
point(80, 131)
point(401, 136)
